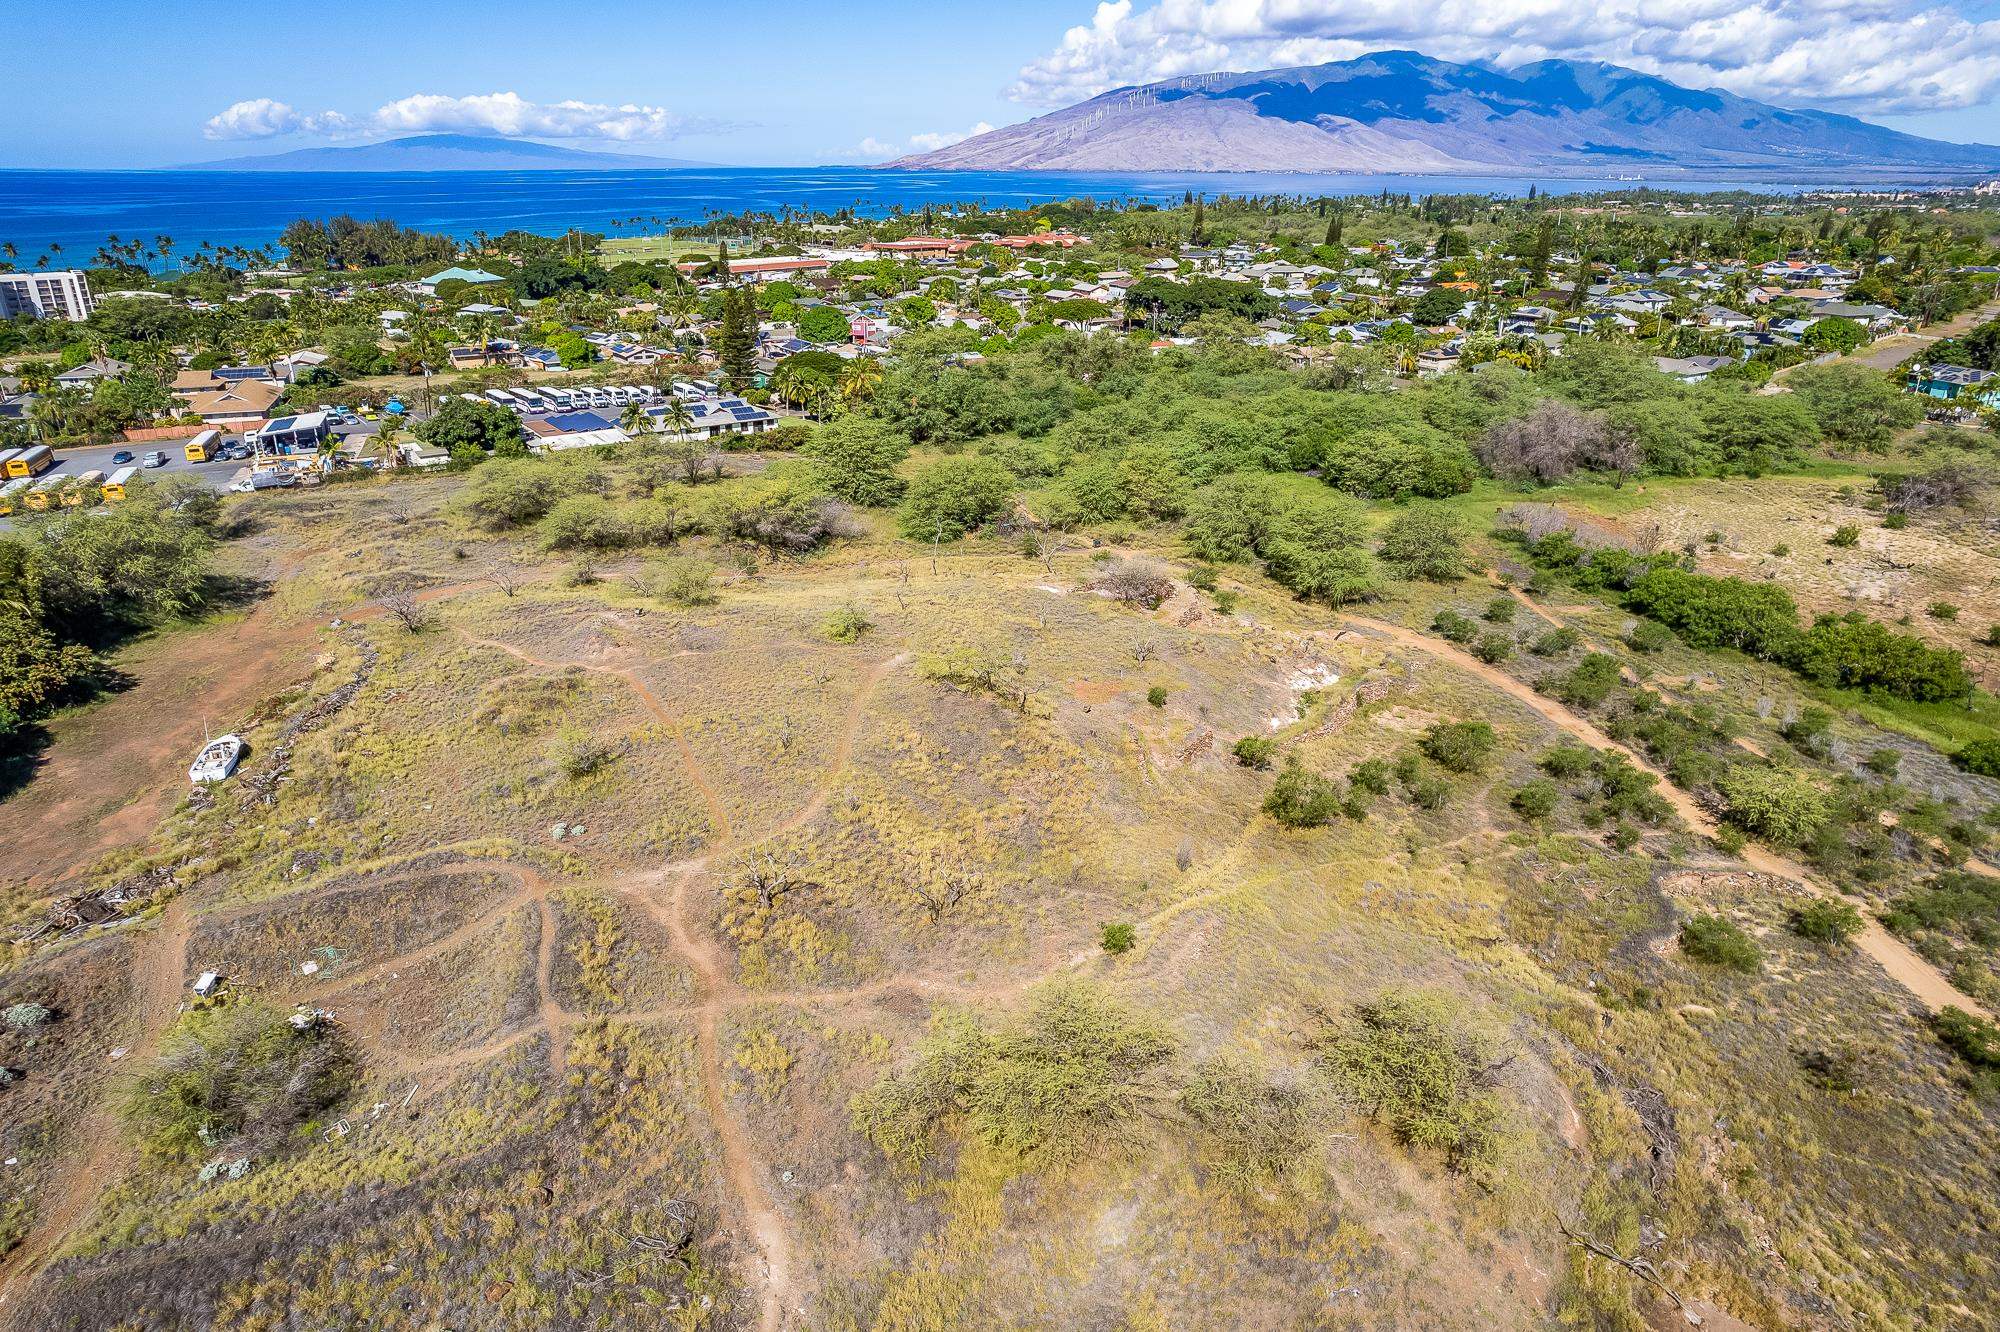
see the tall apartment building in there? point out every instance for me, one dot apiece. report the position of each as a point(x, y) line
point(63, 294)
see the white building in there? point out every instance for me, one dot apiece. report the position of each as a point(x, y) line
point(63, 294)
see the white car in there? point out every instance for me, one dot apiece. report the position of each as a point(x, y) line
point(218, 759)
point(154, 459)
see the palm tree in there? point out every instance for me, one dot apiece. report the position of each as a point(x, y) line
point(859, 379)
point(633, 420)
point(675, 416)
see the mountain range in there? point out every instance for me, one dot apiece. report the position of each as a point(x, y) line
point(445, 152)
point(1400, 111)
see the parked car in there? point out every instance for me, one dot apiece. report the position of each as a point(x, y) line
point(155, 459)
point(122, 456)
point(234, 452)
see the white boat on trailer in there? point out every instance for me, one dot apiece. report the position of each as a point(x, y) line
point(217, 759)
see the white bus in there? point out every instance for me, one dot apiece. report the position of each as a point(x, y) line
point(501, 396)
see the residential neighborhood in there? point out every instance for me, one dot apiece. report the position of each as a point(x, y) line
point(752, 324)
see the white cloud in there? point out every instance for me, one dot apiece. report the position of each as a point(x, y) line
point(930, 143)
point(1863, 56)
point(503, 113)
point(258, 118)
point(872, 147)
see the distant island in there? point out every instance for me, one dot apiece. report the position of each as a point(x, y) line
point(1400, 111)
point(446, 152)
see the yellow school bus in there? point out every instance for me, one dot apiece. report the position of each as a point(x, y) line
point(202, 447)
point(114, 488)
point(10, 494)
point(44, 492)
point(83, 488)
point(31, 461)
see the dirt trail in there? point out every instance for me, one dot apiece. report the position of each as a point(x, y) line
point(742, 1167)
point(692, 765)
point(1904, 966)
point(552, 1014)
point(159, 969)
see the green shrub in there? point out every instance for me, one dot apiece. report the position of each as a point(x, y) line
point(1536, 800)
point(1430, 793)
point(1719, 943)
point(1884, 763)
point(1157, 696)
point(1203, 577)
point(1555, 642)
point(1826, 921)
point(681, 581)
point(1252, 1130)
point(1952, 900)
point(1118, 937)
point(1500, 610)
point(1461, 747)
point(1370, 775)
point(25, 1016)
point(1649, 636)
point(1566, 762)
point(1424, 541)
point(1301, 798)
point(579, 753)
point(1404, 1061)
point(1493, 648)
point(1980, 758)
point(239, 1078)
point(1450, 625)
point(1941, 610)
point(1974, 1039)
point(845, 625)
point(1254, 751)
point(1072, 1073)
point(1589, 682)
point(1845, 536)
point(952, 496)
point(1777, 805)
point(1896, 520)
point(1811, 731)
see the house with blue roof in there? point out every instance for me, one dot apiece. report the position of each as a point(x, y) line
point(478, 277)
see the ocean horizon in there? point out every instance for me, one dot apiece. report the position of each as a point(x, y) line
point(80, 210)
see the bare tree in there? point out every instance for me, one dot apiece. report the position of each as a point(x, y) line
point(506, 575)
point(938, 895)
point(1556, 439)
point(408, 608)
point(771, 876)
point(1138, 582)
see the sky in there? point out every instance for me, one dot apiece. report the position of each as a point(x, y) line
point(777, 83)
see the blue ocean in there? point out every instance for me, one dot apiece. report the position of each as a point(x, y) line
point(79, 210)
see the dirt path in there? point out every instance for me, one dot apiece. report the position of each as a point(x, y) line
point(742, 1168)
point(630, 679)
point(553, 1016)
point(159, 971)
point(1902, 963)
